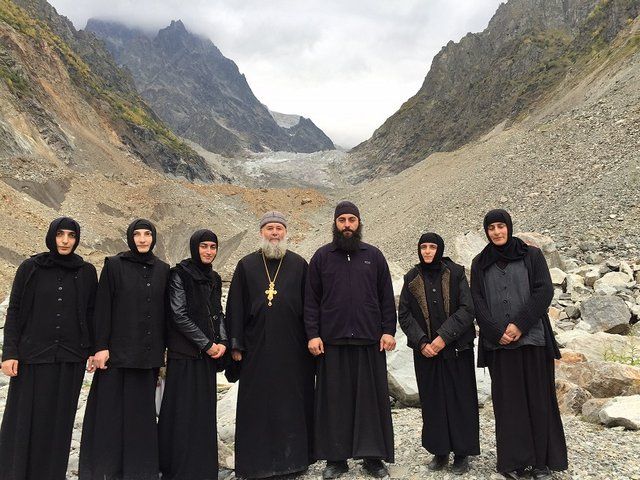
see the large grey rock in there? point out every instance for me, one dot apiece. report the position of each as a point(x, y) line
point(603, 346)
point(558, 277)
point(3, 311)
point(227, 416)
point(622, 412)
point(400, 373)
point(605, 313)
point(617, 280)
point(591, 277)
point(591, 409)
point(601, 379)
point(467, 246)
point(546, 244)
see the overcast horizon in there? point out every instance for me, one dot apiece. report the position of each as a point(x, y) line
point(347, 66)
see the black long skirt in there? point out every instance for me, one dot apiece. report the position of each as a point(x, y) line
point(187, 425)
point(352, 408)
point(120, 433)
point(449, 400)
point(529, 429)
point(38, 421)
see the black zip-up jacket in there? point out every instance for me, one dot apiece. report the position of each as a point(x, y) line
point(534, 310)
point(457, 329)
point(130, 316)
point(76, 340)
point(349, 295)
point(196, 320)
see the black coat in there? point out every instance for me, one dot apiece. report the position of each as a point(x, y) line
point(457, 329)
point(23, 302)
point(534, 310)
point(130, 318)
point(196, 320)
point(349, 295)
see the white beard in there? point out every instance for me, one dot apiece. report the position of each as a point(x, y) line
point(275, 250)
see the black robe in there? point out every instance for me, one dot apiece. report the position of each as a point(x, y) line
point(439, 303)
point(275, 398)
point(119, 433)
point(46, 332)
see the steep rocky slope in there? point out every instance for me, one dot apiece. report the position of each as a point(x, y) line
point(495, 76)
point(201, 93)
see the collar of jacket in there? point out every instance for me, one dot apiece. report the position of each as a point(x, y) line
point(334, 247)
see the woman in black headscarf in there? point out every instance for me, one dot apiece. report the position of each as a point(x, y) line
point(120, 435)
point(512, 290)
point(196, 339)
point(46, 346)
point(436, 314)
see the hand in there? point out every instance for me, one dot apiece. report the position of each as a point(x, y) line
point(513, 331)
point(387, 342)
point(10, 368)
point(100, 359)
point(216, 351)
point(427, 351)
point(315, 346)
point(505, 339)
point(91, 367)
point(438, 344)
point(236, 354)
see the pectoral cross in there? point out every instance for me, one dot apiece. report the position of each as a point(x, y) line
point(271, 292)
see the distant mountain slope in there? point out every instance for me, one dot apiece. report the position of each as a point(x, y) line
point(492, 77)
point(201, 93)
point(95, 79)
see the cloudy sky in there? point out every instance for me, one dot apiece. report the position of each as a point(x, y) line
point(346, 64)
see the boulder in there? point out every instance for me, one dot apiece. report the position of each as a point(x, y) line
point(605, 290)
point(3, 311)
point(617, 280)
point(400, 373)
point(622, 412)
point(546, 244)
point(591, 409)
point(605, 313)
point(467, 246)
point(572, 311)
point(580, 293)
point(571, 397)
point(571, 356)
point(558, 277)
point(591, 277)
point(600, 346)
point(563, 338)
point(573, 281)
point(601, 379)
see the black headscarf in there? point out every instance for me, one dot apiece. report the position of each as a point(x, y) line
point(431, 237)
point(513, 250)
point(133, 254)
point(52, 257)
point(201, 272)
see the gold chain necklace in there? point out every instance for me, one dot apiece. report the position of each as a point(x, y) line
point(271, 291)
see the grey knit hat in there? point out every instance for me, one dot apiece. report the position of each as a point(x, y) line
point(273, 217)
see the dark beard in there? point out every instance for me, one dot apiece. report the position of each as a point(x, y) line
point(347, 244)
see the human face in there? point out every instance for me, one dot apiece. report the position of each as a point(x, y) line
point(428, 251)
point(498, 233)
point(347, 224)
point(274, 232)
point(143, 239)
point(208, 252)
point(65, 241)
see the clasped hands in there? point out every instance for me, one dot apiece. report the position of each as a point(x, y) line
point(511, 334)
point(432, 349)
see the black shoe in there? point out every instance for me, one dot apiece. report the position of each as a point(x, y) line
point(438, 462)
point(375, 468)
point(541, 473)
point(511, 475)
point(335, 469)
point(460, 464)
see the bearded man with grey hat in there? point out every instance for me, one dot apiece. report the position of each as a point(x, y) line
point(350, 320)
point(274, 417)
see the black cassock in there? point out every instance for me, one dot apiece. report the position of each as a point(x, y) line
point(275, 398)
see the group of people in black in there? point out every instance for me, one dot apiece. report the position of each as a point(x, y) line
point(306, 341)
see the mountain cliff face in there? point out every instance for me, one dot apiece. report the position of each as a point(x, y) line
point(493, 77)
point(201, 93)
point(95, 79)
